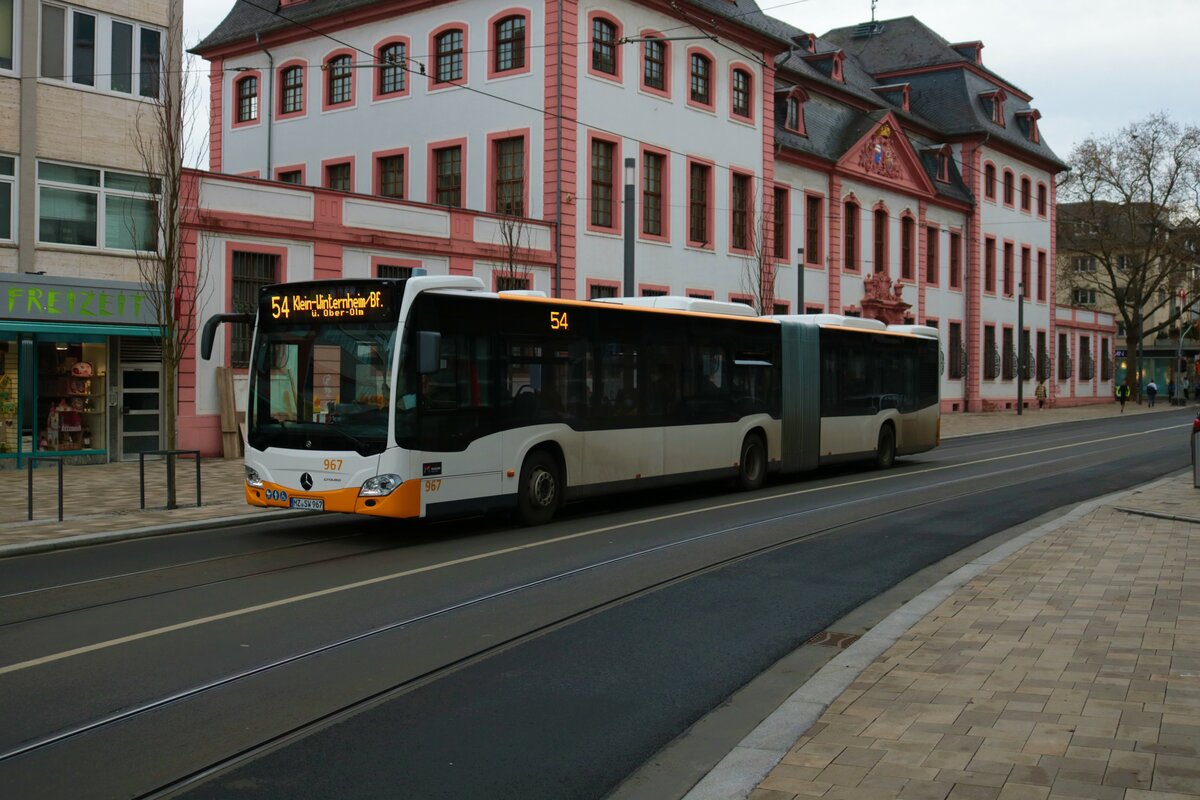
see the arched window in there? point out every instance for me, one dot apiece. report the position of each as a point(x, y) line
point(604, 46)
point(509, 49)
point(880, 239)
point(989, 181)
point(247, 98)
point(291, 98)
point(393, 59)
point(850, 235)
point(793, 111)
point(448, 56)
point(1041, 200)
point(654, 64)
point(1026, 192)
point(339, 81)
point(700, 91)
point(908, 247)
point(1009, 187)
point(742, 92)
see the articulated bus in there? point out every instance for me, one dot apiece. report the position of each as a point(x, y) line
point(430, 396)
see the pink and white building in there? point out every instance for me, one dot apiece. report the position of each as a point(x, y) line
point(890, 167)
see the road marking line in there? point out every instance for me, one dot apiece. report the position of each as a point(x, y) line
point(193, 623)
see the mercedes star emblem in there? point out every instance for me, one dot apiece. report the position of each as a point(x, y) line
point(306, 481)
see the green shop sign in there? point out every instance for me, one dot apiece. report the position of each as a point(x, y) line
point(46, 299)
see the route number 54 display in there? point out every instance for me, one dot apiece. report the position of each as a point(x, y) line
point(558, 321)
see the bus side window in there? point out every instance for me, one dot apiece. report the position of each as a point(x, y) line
point(616, 393)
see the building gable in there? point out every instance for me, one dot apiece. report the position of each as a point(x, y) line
point(885, 156)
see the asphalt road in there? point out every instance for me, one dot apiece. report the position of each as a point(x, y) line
point(354, 658)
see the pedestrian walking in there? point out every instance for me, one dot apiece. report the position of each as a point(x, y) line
point(1122, 395)
point(1040, 394)
point(1151, 392)
point(1170, 391)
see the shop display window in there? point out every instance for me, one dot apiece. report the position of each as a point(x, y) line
point(69, 414)
point(10, 428)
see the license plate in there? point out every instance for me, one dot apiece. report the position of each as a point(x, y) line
point(311, 503)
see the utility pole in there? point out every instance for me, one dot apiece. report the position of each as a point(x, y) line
point(629, 236)
point(799, 280)
point(1020, 348)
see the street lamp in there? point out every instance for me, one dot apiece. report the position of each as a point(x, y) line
point(1020, 348)
point(629, 178)
point(799, 280)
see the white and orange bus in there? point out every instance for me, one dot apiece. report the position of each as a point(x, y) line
point(430, 396)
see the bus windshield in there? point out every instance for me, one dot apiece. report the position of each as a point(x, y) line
point(322, 386)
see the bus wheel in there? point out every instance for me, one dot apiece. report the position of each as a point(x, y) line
point(885, 451)
point(752, 469)
point(540, 490)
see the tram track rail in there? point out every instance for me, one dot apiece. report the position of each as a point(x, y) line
point(480, 654)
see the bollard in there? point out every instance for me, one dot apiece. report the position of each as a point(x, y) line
point(1196, 458)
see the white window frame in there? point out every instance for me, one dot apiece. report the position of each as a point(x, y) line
point(102, 69)
point(1083, 297)
point(102, 192)
point(13, 200)
point(15, 69)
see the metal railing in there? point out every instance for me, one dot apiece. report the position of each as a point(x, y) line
point(170, 461)
point(29, 463)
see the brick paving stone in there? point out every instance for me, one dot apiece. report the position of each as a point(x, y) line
point(1070, 669)
point(1013, 791)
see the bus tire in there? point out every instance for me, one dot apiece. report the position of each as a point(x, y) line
point(752, 467)
point(540, 491)
point(885, 450)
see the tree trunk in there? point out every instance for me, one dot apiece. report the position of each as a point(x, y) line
point(171, 427)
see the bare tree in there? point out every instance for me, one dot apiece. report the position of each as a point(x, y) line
point(1126, 202)
point(761, 264)
point(514, 271)
point(167, 128)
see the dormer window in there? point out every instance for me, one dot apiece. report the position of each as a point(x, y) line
point(830, 64)
point(943, 164)
point(995, 103)
point(806, 41)
point(896, 94)
point(1029, 120)
point(793, 119)
point(972, 51)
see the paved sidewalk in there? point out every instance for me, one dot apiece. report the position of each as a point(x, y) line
point(1068, 666)
point(102, 500)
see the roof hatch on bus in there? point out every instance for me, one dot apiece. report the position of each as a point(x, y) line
point(677, 303)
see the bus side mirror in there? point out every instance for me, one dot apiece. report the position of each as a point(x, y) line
point(209, 333)
point(429, 352)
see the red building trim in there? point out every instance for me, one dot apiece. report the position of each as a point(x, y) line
point(618, 49)
point(746, 119)
point(333, 162)
point(513, 11)
point(664, 92)
point(431, 169)
point(667, 210)
point(301, 168)
point(377, 174)
point(711, 105)
point(377, 93)
point(436, 85)
point(238, 79)
point(216, 84)
point(710, 211)
point(492, 167)
point(617, 183)
point(280, 115)
point(327, 77)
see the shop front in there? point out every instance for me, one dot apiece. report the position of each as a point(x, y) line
point(80, 370)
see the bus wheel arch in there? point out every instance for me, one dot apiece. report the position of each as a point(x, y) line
point(752, 461)
point(542, 485)
point(885, 447)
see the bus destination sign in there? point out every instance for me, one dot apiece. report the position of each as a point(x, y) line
point(328, 303)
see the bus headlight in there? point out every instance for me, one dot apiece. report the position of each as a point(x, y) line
point(380, 486)
point(252, 478)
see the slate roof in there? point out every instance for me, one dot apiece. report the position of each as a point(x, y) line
point(945, 102)
point(904, 43)
point(248, 18)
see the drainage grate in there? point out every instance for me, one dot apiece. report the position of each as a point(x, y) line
point(834, 639)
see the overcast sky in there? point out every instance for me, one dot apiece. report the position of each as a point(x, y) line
point(1092, 66)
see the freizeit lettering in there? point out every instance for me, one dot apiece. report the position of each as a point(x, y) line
point(77, 302)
